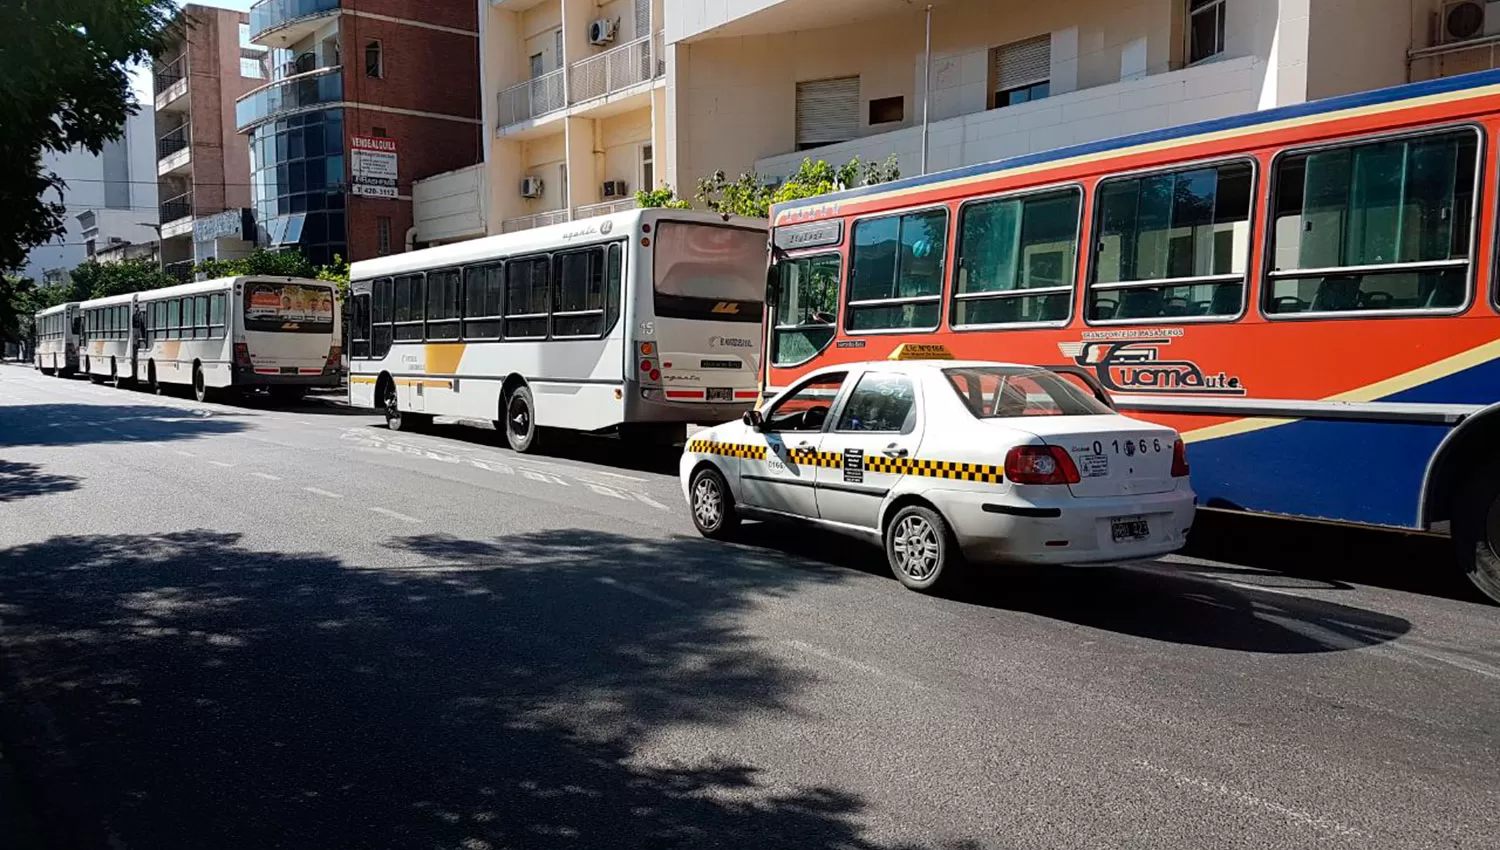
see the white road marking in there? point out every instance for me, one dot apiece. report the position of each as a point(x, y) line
point(184, 454)
point(266, 475)
point(222, 463)
point(1251, 801)
point(316, 491)
point(394, 515)
point(650, 501)
point(810, 649)
point(643, 593)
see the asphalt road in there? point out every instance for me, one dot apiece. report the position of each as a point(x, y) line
point(243, 627)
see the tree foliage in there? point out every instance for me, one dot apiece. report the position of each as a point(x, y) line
point(101, 280)
point(751, 195)
point(264, 261)
point(63, 84)
point(17, 303)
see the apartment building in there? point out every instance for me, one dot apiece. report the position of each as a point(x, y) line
point(587, 101)
point(203, 164)
point(365, 96)
point(109, 196)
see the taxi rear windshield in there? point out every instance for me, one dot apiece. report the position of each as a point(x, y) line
point(999, 392)
point(288, 307)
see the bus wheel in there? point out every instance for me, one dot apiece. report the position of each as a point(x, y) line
point(1476, 529)
point(201, 392)
point(114, 373)
point(151, 385)
point(395, 419)
point(520, 420)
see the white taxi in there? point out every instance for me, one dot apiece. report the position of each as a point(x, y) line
point(946, 463)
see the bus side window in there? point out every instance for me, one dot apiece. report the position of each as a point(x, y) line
point(444, 298)
point(578, 296)
point(613, 277)
point(484, 289)
point(1376, 226)
point(1017, 259)
point(526, 287)
point(216, 315)
point(382, 311)
point(359, 325)
point(410, 307)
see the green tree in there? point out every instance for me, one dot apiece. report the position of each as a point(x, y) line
point(63, 84)
point(750, 194)
point(101, 280)
point(664, 197)
point(17, 303)
point(264, 261)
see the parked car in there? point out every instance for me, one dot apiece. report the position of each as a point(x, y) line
point(949, 463)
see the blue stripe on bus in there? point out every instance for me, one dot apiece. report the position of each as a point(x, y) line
point(1234, 122)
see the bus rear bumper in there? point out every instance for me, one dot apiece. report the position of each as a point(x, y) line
point(641, 406)
point(254, 380)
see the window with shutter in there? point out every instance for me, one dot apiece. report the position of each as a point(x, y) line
point(1022, 71)
point(827, 112)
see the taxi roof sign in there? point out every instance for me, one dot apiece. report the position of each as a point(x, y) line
point(921, 351)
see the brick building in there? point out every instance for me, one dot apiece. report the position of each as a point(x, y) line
point(365, 97)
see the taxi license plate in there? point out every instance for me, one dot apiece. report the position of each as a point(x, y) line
point(720, 394)
point(1128, 528)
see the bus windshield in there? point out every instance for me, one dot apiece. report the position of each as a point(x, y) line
point(288, 307)
point(709, 272)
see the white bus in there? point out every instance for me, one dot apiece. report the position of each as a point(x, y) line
point(634, 323)
point(57, 339)
point(219, 336)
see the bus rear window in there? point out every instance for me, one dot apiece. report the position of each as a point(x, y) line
point(288, 307)
point(705, 271)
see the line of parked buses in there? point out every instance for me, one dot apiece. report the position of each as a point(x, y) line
point(1303, 300)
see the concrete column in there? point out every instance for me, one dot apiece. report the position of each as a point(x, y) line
point(583, 175)
point(503, 173)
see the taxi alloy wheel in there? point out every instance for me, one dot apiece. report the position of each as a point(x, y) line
point(712, 504)
point(921, 549)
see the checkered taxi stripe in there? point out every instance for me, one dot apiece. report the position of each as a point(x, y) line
point(709, 447)
point(945, 469)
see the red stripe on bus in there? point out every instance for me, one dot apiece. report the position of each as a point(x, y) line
point(684, 393)
point(746, 394)
point(267, 371)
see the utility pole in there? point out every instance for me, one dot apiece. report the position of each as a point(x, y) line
point(926, 86)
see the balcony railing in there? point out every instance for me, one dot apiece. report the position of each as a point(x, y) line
point(592, 210)
point(270, 14)
point(167, 75)
point(174, 141)
point(177, 207)
point(325, 85)
point(532, 99)
point(181, 270)
point(616, 69)
point(539, 220)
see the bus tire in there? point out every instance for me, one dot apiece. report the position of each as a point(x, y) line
point(151, 385)
point(712, 504)
point(201, 391)
point(921, 549)
point(1476, 528)
point(114, 373)
point(520, 420)
point(395, 418)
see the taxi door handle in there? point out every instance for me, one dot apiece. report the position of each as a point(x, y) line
point(894, 450)
point(804, 445)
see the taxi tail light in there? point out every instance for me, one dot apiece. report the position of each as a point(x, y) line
point(1179, 460)
point(1040, 465)
point(241, 354)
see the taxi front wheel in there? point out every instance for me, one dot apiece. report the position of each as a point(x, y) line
point(712, 504)
point(921, 549)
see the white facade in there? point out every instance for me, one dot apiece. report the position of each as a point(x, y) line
point(119, 183)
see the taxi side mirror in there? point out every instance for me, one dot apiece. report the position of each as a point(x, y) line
point(753, 419)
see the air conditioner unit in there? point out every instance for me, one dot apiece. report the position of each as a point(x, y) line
point(531, 187)
point(1463, 20)
point(614, 188)
point(601, 31)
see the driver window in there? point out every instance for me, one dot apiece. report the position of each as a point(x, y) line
point(805, 408)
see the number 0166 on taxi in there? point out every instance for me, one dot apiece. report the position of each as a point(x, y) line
point(947, 464)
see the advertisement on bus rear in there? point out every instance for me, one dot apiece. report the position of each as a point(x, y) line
point(288, 307)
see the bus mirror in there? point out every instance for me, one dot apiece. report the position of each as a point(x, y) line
point(773, 274)
point(822, 318)
point(753, 419)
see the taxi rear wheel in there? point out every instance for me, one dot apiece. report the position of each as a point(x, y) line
point(712, 504)
point(921, 549)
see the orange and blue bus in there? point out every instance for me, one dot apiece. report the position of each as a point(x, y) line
point(1309, 294)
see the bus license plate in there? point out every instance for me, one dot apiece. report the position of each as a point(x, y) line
point(288, 370)
point(720, 394)
point(1128, 528)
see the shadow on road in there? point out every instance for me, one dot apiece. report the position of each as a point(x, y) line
point(22, 480)
point(1337, 555)
point(183, 691)
point(1161, 603)
point(67, 424)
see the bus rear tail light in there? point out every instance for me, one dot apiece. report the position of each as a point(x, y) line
point(334, 359)
point(242, 355)
point(650, 373)
point(1040, 465)
point(1179, 460)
